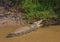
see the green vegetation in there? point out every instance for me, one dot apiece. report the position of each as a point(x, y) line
point(39, 9)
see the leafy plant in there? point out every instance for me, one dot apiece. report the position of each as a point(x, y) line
point(38, 9)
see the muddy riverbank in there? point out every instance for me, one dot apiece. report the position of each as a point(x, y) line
point(10, 17)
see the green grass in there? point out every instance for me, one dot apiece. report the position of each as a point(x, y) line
point(38, 9)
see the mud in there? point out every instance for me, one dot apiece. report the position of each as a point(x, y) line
point(46, 34)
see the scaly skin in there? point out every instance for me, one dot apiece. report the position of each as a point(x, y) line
point(25, 30)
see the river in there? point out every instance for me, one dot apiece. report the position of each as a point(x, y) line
point(47, 34)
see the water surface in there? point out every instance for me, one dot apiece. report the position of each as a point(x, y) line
point(47, 34)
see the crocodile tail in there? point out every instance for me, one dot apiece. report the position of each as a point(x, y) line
point(10, 35)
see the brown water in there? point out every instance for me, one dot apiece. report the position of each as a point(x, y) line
point(47, 34)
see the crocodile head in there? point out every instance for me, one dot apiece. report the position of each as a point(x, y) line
point(38, 23)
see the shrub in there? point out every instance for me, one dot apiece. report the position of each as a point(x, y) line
point(38, 9)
